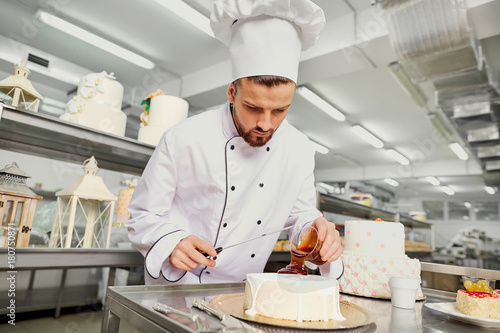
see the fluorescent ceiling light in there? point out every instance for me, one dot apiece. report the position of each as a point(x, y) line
point(347, 160)
point(408, 86)
point(189, 14)
point(439, 125)
point(319, 148)
point(5, 97)
point(52, 106)
point(54, 102)
point(433, 180)
point(459, 151)
point(94, 40)
point(51, 109)
point(489, 189)
point(397, 156)
point(367, 136)
point(320, 103)
point(327, 187)
point(447, 190)
point(391, 182)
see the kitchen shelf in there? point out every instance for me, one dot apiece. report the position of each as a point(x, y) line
point(47, 136)
point(336, 205)
point(33, 258)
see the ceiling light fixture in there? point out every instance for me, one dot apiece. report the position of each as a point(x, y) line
point(438, 123)
point(459, 151)
point(93, 39)
point(319, 148)
point(398, 157)
point(347, 160)
point(53, 106)
point(489, 190)
point(433, 180)
point(391, 182)
point(447, 190)
point(408, 86)
point(320, 103)
point(189, 14)
point(367, 136)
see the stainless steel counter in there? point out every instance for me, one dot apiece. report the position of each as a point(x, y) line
point(134, 304)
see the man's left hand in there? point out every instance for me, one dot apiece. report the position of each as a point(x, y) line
point(329, 236)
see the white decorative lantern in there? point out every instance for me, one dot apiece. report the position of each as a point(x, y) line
point(20, 89)
point(17, 207)
point(88, 200)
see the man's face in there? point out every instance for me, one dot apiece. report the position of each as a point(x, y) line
point(258, 110)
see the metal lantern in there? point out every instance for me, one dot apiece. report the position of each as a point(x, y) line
point(87, 202)
point(17, 207)
point(20, 88)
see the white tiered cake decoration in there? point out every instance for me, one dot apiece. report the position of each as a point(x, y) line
point(160, 113)
point(98, 104)
point(374, 252)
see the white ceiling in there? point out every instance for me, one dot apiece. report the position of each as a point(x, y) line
point(348, 67)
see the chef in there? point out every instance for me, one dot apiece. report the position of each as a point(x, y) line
point(232, 174)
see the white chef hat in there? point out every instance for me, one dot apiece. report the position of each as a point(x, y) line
point(265, 37)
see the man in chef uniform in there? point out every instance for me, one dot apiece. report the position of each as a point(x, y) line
point(229, 175)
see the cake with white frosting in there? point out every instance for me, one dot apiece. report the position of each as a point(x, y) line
point(98, 104)
point(374, 251)
point(292, 297)
point(160, 113)
point(479, 304)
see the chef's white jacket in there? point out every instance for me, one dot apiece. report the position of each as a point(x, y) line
point(204, 179)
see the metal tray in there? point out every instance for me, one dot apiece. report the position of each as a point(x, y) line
point(134, 304)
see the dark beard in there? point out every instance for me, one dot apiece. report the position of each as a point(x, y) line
point(247, 135)
point(257, 142)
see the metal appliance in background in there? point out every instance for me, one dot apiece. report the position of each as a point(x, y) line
point(471, 247)
point(436, 45)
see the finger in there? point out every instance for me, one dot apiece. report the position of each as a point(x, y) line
point(320, 225)
point(337, 254)
point(332, 235)
point(193, 259)
point(331, 251)
point(181, 260)
point(203, 247)
point(200, 259)
point(186, 255)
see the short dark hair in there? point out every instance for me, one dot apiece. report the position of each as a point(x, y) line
point(265, 80)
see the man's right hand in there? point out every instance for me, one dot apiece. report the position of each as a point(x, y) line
point(187, 255)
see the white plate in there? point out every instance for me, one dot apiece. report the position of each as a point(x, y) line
point(451, 310)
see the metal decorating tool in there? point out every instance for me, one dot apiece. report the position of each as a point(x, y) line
point(163, 308)
point(225, 319)
point(220, 248)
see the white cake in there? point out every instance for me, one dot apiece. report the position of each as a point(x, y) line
point(165, 111)
point(292, 297)
point(373, 252)
point(98, 104)
point(478, 304)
